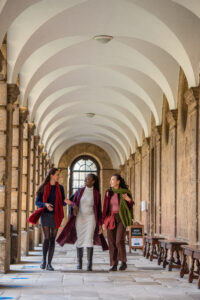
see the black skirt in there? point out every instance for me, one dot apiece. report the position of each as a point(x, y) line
point(47, 219)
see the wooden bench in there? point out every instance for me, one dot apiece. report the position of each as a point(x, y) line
point(192, 251)
point(152, 247)
point(174, 246)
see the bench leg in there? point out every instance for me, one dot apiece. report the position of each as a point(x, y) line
point(160, 254)
point(171, 260)
point(183, 266)
point(165, 258)
point(191, 274)
point(145, 249)
point(148, 251)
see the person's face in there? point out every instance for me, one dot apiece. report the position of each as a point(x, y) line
point(89, 181)
point(56, 176)
point(114, 183)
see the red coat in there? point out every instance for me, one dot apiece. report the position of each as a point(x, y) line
point(68, 234)
point(106, 205)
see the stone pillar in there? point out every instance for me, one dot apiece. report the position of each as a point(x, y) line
point(172, 120)
point(157, 176)
point(138, 185)
point(35, 183)
point(44, 154)
point(3, 123)
point(192, 97)
point(145, 184)
point(12, 94)
point(29, 200)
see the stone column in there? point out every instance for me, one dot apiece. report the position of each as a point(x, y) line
point(172, 120)
point(192, 97)
point(145, 184)
point(35, 183)
point(44, 154)
point(12, 94)
point(157, 176)
point(29, 199)
point(138, 185)
point(3, 124)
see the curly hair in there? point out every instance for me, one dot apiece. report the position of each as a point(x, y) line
point(96, 181)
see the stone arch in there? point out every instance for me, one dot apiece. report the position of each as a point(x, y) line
point(99, 154)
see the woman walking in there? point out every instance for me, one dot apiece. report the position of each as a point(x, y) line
point(50, 199)
point(84, 226)
point(117, 215)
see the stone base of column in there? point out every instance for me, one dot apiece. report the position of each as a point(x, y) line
point(36, 236)
point(4, 260)
point(31, 239)
point(13, 248)
point(23, 242)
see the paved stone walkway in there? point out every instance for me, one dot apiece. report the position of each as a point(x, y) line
point(142, 280)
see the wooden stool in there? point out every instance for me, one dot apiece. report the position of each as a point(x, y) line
point(173, 246)
point(194, 252)
point(152, 247)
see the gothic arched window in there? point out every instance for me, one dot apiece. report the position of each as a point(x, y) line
point(80, 168)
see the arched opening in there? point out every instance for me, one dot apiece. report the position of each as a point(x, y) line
point(80, 168)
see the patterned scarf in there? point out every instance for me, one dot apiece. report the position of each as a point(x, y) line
point(124, 211)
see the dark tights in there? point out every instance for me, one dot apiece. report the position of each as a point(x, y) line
point(49, 242)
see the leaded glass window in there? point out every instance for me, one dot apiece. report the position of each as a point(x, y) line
point(80, 169)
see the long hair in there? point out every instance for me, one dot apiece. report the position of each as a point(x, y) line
point(122, 183)
point(96, 181)
point(46, 180)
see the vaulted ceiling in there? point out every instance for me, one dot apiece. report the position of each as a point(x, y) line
point(65, 73)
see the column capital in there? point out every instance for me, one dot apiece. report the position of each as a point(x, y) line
point(44, 154)
point(31, 128)
point(121, 168)
point(40, 148)
point(12, 92)
point(138, 155)
point(192, 98)
point(157, 132)
point(172, 117)
point(23, 113)
point(36, 140)
point(146, 146)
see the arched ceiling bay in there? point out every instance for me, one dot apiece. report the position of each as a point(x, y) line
point(66, 74)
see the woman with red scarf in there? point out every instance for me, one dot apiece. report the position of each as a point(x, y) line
point(50, 200)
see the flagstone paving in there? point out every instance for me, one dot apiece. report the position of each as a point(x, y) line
point(142, 280)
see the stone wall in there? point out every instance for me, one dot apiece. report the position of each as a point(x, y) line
point(165, 170)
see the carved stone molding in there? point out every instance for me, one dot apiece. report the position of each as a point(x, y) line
point(31, 128)
point(192, 98)
point(23, 114)
point(36, 141)
point(40, 148)
point(138, 155)
point(12, 93)
point(44, 154)
point(122, 168)
point(172, 117)
point(146, 146)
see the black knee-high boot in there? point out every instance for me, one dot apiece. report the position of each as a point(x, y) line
point(79, 258)
point(89, 257)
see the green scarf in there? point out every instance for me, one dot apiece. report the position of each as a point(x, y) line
point(124, 211)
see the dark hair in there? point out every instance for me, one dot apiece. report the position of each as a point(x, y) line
point(122, 183)
point(46, 180)
point(96, 181)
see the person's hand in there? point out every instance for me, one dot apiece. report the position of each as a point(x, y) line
point(67, 201)
point(126, 197)
point(100, 229)
point(75, 210)
point(49, 206)
point(103, 227)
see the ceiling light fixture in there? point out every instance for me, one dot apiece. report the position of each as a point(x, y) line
point(90, 115)
point(103, 39)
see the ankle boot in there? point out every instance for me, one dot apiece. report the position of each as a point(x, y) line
point(43, 264)
point(89, 257)
point(79, 258)
point(49, 267)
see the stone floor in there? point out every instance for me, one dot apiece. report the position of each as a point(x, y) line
point(142, 280)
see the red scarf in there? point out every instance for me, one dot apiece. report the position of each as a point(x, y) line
point(58, 209)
